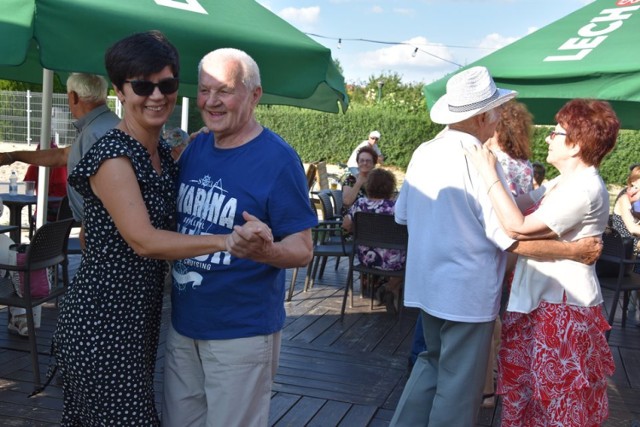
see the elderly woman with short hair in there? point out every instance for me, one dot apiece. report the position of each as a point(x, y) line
point(554, 360)
point(353, 186)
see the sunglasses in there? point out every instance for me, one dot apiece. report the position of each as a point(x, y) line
point(146, 87)
point(553, 134)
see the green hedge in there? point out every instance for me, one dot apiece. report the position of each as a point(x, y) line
point(327, 137)
point(615, 166)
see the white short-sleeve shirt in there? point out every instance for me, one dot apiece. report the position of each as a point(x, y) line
point(573, 208)
point(455, 260)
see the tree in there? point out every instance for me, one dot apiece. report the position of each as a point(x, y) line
point(58, 86)
point(387, 90)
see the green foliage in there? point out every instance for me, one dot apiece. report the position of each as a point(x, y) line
point(58, 86)
point(326, 137)
point(388, 91)
point(615, 166)
point(399, 112)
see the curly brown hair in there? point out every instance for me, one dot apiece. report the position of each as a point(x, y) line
point(380, 184)
point(514, 130)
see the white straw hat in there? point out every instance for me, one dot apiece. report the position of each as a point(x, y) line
point(469, 93)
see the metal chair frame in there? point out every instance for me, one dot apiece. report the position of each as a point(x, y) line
point(616, 249)
point(322, 249)
point(377, 231)
point(65, 212)
point(48, 248)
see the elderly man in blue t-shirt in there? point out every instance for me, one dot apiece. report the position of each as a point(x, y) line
point(228, 307)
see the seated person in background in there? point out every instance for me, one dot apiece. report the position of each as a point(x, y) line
point(57, 184)
point(374, 138)
point(353, 186)
point(380, 187)
point(539, 172)
point(623, 219)
point(625, 222)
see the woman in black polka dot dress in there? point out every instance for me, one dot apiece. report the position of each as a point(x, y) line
point(107, 334)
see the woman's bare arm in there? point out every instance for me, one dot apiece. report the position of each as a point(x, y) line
point(115, 184)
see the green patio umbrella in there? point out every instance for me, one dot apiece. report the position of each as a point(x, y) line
point(72, 35)
point(40, 37)
point(591, 53)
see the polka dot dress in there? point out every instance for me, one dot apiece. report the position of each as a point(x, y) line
point(107, 334)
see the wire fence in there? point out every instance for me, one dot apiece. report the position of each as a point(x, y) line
point(21, 117)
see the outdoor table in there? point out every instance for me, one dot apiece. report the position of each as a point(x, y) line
point(15, 203)
point(8, 228)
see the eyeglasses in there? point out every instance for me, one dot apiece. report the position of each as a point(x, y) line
point(553, 134)
point(146, 87)
point(365, 161)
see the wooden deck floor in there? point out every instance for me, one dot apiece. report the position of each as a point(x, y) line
point(331, 373)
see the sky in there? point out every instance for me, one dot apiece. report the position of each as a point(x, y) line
point(447, 33)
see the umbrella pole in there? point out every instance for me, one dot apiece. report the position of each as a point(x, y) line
point(45, 142)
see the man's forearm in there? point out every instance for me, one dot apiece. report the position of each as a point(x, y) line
point(586, 250)
point(54, 157)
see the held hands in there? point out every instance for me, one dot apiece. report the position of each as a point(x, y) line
point(252, 240)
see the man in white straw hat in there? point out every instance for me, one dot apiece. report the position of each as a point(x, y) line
point(456, 259)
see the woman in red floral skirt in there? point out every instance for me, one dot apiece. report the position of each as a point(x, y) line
point(554, 360)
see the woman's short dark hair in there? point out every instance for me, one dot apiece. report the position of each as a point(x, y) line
point(593, 125)
point(381, 184)
point(140, 55)
point(368, 149)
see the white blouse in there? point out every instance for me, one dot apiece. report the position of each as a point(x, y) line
point(573, 208)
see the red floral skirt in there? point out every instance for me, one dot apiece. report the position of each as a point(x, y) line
point(553, 366)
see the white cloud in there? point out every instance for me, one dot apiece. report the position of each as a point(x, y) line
point(401, 55)
point(496, 41)
point(301, 18)
point(377, 9)
point(398, 59)
point(404, 11)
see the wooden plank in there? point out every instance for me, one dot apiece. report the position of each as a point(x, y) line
point(619, 376)
point(399, 338)
point(29, 414)
point(333, 372)
point(330, 414)
point(281, 403)
point(631, 363)
point(624, 406)
point(301, 413)
point(358, 415)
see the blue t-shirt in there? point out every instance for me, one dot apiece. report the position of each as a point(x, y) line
point(218, 296)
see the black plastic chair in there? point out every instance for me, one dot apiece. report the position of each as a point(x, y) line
point(332, 218)
point(322, 249)
point(619, 250)
point(336, 196)
point(65, 212)
point(377, 231)
point(47, 249)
